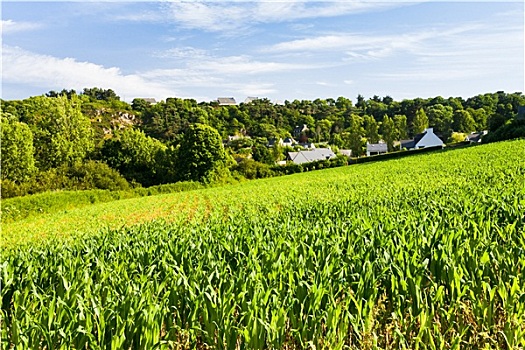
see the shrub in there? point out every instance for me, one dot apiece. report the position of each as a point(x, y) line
point(512, 130)
point(251, 169)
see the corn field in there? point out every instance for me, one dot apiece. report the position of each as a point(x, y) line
point(425, 252)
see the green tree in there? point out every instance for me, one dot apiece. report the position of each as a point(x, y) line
point(62, 134)
point(322, 129)
point(480, 117)
point(100, 94)
point(420, 122)
point(354, 133)
point(136, 156)
point(389, 132)
point(463, 121)
point(371, 129)
point(17, 161)
point(201, 155)
point(440, 117)
point(260, 153)
point(400, 122)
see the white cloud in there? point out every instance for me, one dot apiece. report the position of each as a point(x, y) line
point(229, 74)
point(253, 89)
point(24, 67)
point(235, 16)
point(10, 26)
point(198, 60)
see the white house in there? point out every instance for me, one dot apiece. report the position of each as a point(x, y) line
point(376, 148)
point(289, 141)
point(272, 142)
point(426, 139)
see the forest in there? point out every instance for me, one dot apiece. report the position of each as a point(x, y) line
point(92, 139)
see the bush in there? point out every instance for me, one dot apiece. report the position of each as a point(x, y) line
point(251, 169)
point(288, 169)
point(512, 130)
point(81, 176)
point(169, 188)
point(94, 174)
point(457, 137)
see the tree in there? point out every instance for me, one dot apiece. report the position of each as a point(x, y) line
point(400, 122)
point(463, 121)
point(62, 134)
point(440, 117)
point(354, 133)
point(201, 155)
point(139, 104)
point(371, 129)
point(17, 161)
point(480, 117)
point(420, 122)
point(260, 153)
point(100, 94)
point(389, 132)
point(136, 156)
point(322, 129)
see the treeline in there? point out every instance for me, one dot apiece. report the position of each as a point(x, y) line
point(91, 139)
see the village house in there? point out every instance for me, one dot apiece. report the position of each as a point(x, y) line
point(475, 137)
point(298, 130)
point(311, 156)
point(226, 101)
point(425, 139)
point(376, 148)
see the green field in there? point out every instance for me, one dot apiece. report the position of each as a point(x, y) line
point(424, 252)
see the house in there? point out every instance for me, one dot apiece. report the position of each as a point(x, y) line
point(346, 152)
point(376, 148)
point(151, 101)
point(298, 130)
point(307, 145)
point(288, 142)
point(426, 139)
point(311, 156)
point(226, 101)
point(475, 137)
point(250, 99)
point(273, 142)
point(237, 137)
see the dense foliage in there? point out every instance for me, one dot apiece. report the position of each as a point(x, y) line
point(422, 252)
point(142, 140)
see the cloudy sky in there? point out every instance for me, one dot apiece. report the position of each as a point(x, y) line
point(281, 50)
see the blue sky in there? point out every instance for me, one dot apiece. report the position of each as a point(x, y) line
point(273, 49)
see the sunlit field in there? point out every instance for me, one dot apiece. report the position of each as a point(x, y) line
point(422, 252)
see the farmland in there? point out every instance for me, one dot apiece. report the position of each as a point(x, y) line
point(423, 252)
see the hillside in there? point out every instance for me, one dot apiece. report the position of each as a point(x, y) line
point(424, 251)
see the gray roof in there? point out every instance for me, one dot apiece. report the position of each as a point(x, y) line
point(226, 101)
point(149, 100)
point(476, 136)
point(250, 99)
point(346, 152)
point(412, 143)
point(311, 156)
point(376, 147)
